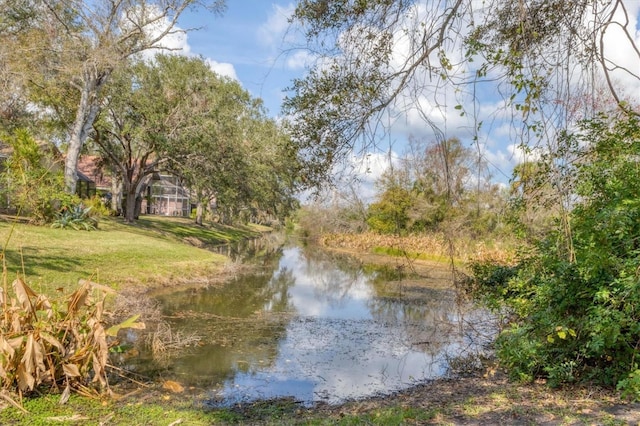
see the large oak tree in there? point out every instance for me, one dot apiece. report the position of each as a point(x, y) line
point(175, 114)
point(79, 44)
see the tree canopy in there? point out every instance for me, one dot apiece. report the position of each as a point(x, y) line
point(76, 46)
point(553, 75)
point(175, 114)
point(378, 61)
point(75, 72)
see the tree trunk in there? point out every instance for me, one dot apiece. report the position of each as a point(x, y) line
point(199, 212)
point(138, 209)
point(116, 195)
point(85, 116)
point(130, 207)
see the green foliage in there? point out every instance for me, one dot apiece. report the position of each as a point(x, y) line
point(183, 118)
point(76, 217)
point(389, 214)
point(630, 386)
point(32, 180)
point(490, 282)
point(429, 191)
point(98, 207)
point(576, 301)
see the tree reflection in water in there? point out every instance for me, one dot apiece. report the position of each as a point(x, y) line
point(315, 327)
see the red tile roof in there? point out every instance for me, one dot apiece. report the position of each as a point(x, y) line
point(91, 167)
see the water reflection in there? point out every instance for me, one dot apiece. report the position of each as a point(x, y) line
point(314, 331)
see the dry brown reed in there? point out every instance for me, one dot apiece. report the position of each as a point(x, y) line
point(435, 245)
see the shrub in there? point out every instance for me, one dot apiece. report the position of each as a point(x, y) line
point(33, 181)
point(98, 207)
point(76, 217)
point(45, 344)
point(576, 299)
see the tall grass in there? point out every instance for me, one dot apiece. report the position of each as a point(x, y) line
point(425, 246)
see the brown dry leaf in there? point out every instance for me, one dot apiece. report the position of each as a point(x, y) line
point(100, 342)
point(6, 348)
point(3, 372)
point(43, 304)
point(23, 293)
point(172, 386)
point(16, 321)
point(74, 418)
point(78, 298)
point(5, 395)
point(97, 286)
point(100, 374)
point(53, 342)
point(66, 394)
point(99, 309)
point(16, 342)
point(26, 381)
point(38, 350)
point(71, 370)
point(27, 360)
point(33, 357)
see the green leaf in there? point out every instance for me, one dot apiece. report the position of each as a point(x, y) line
point(128, 323)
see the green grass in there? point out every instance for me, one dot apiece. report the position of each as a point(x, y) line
point(181, 229)
point(163, 408)
point(154, 249)
point(154, 406)
point(46, 410)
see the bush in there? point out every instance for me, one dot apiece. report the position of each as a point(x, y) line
point(98, 207)
point(33, 181)
point(45, 344)
point(576, 299)
point(76, 217)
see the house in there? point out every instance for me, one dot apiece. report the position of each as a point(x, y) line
point(165, 195)
point(92, 180)
point(162, 193)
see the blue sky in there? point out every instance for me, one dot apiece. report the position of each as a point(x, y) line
point(247, 43)
point(250, 43)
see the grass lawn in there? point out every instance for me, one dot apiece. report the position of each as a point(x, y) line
point(154, 249)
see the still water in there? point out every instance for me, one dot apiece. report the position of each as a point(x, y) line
point(316, 327)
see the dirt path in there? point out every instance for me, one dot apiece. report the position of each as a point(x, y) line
point(497, 401)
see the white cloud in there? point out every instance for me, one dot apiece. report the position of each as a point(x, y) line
point(430, 101)
point(276, 33)
point(273, 32)
point(154, 25)
point(364, 171)
point(619, 40)
point(222, 69)
point(300, 59)
point(177, 42)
